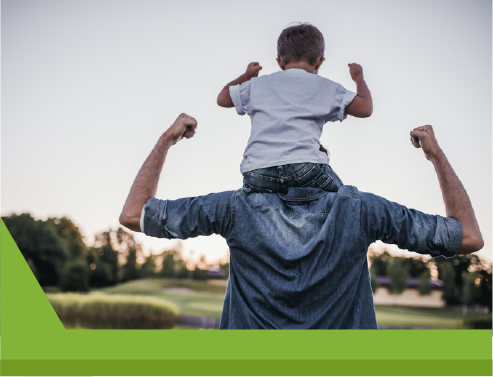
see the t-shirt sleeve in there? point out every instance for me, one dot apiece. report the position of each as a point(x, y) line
point(188, 217)
point(240, 95)
point(409, 229)
point(342, 98)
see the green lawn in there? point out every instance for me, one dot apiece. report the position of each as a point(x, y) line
point(196, 298)
point(193, 298)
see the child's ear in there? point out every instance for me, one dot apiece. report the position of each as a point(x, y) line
point(319, 63)
point(281, 65)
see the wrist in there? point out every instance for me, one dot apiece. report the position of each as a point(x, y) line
point(167, 139)
point(437, 156)
point(246, 76)
point(359, 80)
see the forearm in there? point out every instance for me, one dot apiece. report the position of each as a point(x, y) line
point(145, 184)
point(363, 92)
point(362, 104)
point(224, 99)
point(457, 204)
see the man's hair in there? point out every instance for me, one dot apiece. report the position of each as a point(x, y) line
point(301, 42)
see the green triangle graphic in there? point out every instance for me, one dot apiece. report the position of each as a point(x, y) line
point(25, 307)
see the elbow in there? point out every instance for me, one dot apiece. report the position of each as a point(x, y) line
point(124, 220)
point(472, 244)
point(220, 100)
point(224, 100)
point(367, 112)
point(478, 243)
point(130, 222)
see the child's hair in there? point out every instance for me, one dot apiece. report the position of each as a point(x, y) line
point(301, 42)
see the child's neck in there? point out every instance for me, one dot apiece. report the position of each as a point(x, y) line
point(301, 65)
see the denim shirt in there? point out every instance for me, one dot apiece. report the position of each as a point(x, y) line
point(299, 260)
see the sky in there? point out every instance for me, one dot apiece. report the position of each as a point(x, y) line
point(89, 86)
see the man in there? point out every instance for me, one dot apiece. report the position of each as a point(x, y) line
point(298, 259)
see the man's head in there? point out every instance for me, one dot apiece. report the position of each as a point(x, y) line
point(300, 43)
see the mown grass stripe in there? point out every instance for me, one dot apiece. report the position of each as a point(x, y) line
point(247, 367)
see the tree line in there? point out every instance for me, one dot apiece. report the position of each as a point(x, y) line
point(466, 279)
point(58, 256)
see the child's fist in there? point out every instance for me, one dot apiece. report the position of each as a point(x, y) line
point(356, 71)
point(253, 69)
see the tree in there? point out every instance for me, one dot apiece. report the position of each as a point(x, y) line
point(460, 264)
point(149, 267)
point(485, 292)
point(107, 255)
point(100, 273)
point(75, 277)
point(40, 245)
point(450, 288)
point(70, 234)
point(415, 266)
point(398, 275)
point(469, 290)
point(168, 265)
point(379, 263)
point(225, 269)
point(374, 283)
point(130, 270)
point(424, 287)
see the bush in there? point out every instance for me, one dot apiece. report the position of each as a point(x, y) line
point(477, 324)
point(97, 310)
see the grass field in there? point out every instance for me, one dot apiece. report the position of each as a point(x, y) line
point(205, 299)
point(193, 298)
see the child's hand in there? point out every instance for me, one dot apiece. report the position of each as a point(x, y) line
point(252, 70)
point(356, 71)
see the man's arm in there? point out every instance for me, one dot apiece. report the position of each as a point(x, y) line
point(457, 203)
point(145, 184)
point(362, 104)
point(224, 99)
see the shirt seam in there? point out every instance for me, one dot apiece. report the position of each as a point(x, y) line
point(233, 215)
point(354, 196)
point(293, 215)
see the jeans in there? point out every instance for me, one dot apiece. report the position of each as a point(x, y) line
point(281, 178)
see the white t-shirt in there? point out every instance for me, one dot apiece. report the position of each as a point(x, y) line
point(288, 110)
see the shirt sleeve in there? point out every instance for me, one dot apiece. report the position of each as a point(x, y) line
point(240, 95)
point(142, 214)
point(409, 229)
point(342, 98)
point(189, 217)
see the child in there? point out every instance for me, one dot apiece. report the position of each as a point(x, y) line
point(288, 110)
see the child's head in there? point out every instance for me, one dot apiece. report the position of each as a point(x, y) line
point(302, 42)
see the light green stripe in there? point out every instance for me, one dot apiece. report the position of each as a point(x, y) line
point(251, 368)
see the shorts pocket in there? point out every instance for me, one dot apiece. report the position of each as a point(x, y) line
point(309, 176)
point(320, 178)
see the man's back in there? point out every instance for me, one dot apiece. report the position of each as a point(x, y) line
point(310, 246)
point(299, 260)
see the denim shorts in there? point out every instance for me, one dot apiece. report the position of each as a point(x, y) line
point(280, 178)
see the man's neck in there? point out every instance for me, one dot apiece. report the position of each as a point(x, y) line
point(301, 65)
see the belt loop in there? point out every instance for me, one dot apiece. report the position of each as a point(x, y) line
point(281, 173)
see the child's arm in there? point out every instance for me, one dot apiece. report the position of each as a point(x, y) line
point(362, 104)
point(224, 99)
